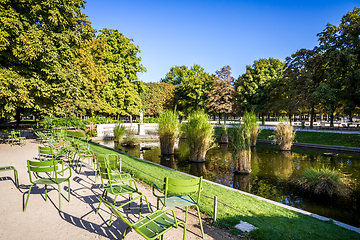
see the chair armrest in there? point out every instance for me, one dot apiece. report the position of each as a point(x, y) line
point(153, 190)
point(61, 171)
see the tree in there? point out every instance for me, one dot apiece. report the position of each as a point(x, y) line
point(254, 87)
point(176, 75)
point(93, 76)
point(121, 65)
point(191, 87)
point(305, 71)
point(221, 93)
point(341, 45)
point(38, 43)
point(157, 97)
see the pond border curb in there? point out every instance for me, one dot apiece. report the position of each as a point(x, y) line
point(318, 146)
point(343, 225)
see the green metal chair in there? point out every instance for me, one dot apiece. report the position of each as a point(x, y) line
point(17, 138)
point(41, 172)
point(83, 152)
point(116, 182)
point(114, 163)
point(152, 226)
point(9, 168)
point(176, 193)
point(50, 154)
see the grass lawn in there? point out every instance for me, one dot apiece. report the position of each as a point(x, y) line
point(325, 138)
point(273, 222)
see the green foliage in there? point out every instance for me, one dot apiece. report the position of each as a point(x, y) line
point(119, 132)
point(251, 123)
point(157, 97)
point(168, 130)
point(324, 181)
point(240, 138)
point(254, 87)
point(191, 87)
point(38, 43)
point(121, 64)
point(199, 135)
point(100, 120)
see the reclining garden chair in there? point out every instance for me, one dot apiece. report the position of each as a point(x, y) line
point(154, 225)
point(41, 172)
point(176, 193)
point(116, 182)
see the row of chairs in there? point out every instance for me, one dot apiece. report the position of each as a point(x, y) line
point(174, 193)
point(14, 137)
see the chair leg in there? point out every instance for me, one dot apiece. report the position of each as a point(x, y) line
point(102, 195)
point(27, 199)
point(125, 233)
point(59, 197)
point(45, 192)
point(68, 190)
point(201, 227)
point(16, 178)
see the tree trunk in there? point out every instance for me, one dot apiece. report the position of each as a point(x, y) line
point(312, 116)
point(17, 116)
point(262, 119)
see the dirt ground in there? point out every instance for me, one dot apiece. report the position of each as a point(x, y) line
point(78, 219)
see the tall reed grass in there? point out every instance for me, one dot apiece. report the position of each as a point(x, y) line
point(130, 139)
point(224, 133)
point(119, 132)
point(241, 145)
point(324, 181)
point(168, 130)
point(199, 135)
point(284, 135)
point(250, 122)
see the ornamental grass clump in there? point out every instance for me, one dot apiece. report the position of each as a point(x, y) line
point(198, 132)
point(130, 139)
point(252, 124)
point(241, 145)
point(168, 131)
point(284, 135)
point(119, 132)
point(324, 181)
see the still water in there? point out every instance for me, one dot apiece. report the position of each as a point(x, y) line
point(271, 173)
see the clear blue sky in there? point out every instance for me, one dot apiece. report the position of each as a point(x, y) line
point(215, 33)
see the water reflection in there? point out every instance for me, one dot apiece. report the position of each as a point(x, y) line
point(168, 161)
point(242, 182)
point(198, 169)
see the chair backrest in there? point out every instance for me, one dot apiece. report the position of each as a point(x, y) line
point(47, 151)
point(114, 161)
point(183, 187)
point(42, 167)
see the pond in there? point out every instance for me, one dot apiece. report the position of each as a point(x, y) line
point(271, 173)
